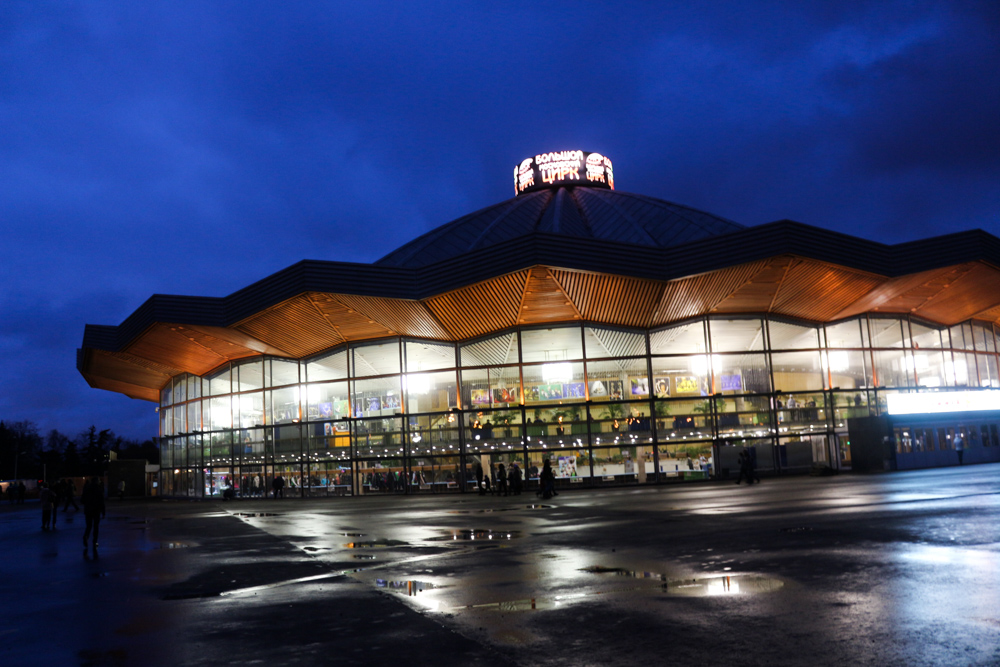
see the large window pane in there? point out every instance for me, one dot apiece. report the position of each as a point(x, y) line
point(624, 379)
point(486, 387)
point(380, 396)
point(925, 337)
point(552, 344)
point(738, 335)
point(848, 369)
point(983, 338)
point(330, 366)
point(329, 440)
point(929, 368)
point(681, 376)
point(887, 332)
point(180, 390)
point(492, 351)
point(787, 336)
point(797, 371)
point(251, 409)
point(602, 343)
point(988, 376)
point(433, 435)
point(556, 382)
point(375, 359)
point(380, 437)
point(282, 372)
point(167, 394)
point(680, 339)
point(891, 368)
point(327, 401)
point(428, 356)
point(741, 374)
point(430, 392)
point(219, 382)
point(250, 375)
point(849, 333)
point(194, 416)
point(283, 405)
point(961, 337)
point(221, 413)
point(193, 387)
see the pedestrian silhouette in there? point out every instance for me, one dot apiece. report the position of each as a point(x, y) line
point(92, 500)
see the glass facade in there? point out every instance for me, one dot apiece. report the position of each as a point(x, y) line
point(606, 406)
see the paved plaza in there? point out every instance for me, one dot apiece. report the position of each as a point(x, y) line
point(889, 569)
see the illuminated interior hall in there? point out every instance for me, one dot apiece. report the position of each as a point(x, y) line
point(626, 339)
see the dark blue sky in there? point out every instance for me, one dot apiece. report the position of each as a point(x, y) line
point(196, 147)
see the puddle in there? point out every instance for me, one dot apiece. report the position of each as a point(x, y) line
point(364, 556)
point(700, 587)
point(476, 535)
point(353, 534)
point(406, 587)
point(169, 545)
point(254, 515)
point(501, 509)
point(315, 549)
point(379, 544)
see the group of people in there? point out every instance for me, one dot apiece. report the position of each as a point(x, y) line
point(15, 492)
point(63, 492)
point(504, 480)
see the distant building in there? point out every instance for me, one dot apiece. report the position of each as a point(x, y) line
point(627, 339)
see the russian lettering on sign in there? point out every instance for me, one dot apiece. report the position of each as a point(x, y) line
point(563, 168)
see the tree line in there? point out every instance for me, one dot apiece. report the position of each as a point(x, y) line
point(24, 449)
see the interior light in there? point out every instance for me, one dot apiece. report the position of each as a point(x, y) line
point(561, 372)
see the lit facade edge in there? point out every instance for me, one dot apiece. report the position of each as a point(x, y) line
point(605, 405)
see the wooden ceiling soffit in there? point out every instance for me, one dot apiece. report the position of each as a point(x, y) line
point(710, 292)
point(119, 387)
point(907, 292)
point(611, 299)
point(127, 374)
point(237, 341)
point(482, 308)
point(971, 293)
point(989, 315)
point(296, 326)
point(348, 322)
point(545, 300)
point(407, 318)
point(175, 347)
point(817, 291)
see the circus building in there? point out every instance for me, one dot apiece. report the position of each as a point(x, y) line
point(626, 339)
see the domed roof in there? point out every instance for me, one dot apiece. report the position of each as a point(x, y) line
point(572, 211)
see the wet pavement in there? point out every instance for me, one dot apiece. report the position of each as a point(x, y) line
point(896, 569)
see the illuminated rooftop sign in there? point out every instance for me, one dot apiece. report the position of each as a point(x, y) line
point(563, 168)
point(943, 401)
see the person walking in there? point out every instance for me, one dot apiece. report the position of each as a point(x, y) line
point(46, 496)
point(547, 481)
point(69, 489)
point(479, 479)
point(94, 510)
point(121, 489)
point(959, 446)
point(745, 466)
point(501, 480)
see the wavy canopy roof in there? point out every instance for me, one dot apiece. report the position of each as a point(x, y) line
point(577, 212)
